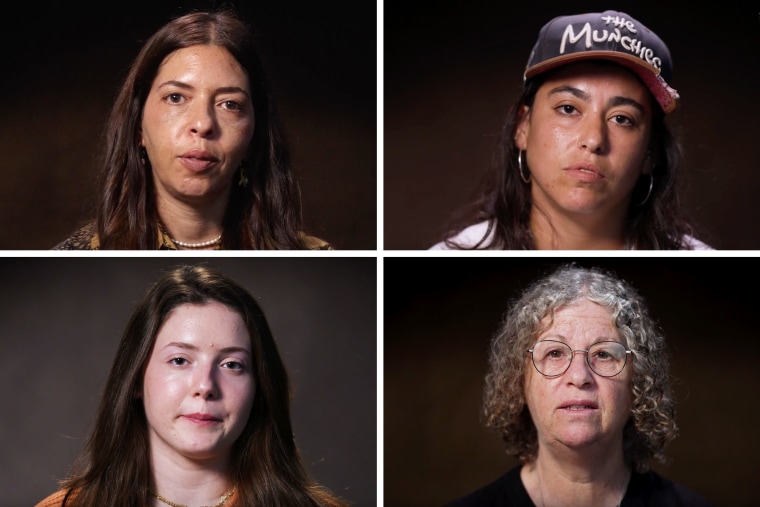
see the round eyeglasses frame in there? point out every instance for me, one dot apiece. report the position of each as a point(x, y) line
point(572, 355)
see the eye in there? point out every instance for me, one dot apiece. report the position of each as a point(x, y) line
point(178, 361)
point(623, 120)
point(567, 109)
point(174, 98)
point(233, 365)
point(232, 105)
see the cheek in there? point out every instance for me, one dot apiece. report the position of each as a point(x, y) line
point(240, 139)
point(534, 393)
point(159, 390)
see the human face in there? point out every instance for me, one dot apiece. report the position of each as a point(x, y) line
point(197, 123)
point(586, 138)
point(600, 405)
point(198, 386)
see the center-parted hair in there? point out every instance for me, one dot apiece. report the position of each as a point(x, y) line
point(651, 425)
point(114, 468)
point(264, 214)
point(504, 200)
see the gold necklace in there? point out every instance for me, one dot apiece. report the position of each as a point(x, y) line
point(223, 501)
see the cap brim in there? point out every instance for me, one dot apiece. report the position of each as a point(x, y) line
point(648, 73)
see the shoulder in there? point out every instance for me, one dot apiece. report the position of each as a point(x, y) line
point(507, 490)
point(469, 236)
point(54, 500)
point(692, 243)
point(651, 488)
point(84, 238)
point(315, 243)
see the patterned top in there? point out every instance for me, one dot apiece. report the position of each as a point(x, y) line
point(56, 500)
point(86, 238)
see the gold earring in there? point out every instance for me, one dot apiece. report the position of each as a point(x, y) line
point(243, 181)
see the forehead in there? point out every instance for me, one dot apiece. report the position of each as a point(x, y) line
point(211, 319)
point(582, 313)
point(598, 75)
point(202, 64)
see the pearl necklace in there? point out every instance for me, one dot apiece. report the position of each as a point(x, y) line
point(183, 244)
point(202, 244)
point(223, 501)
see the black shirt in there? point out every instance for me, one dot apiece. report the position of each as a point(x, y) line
point(644, 490)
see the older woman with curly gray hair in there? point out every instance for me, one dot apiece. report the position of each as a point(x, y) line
point(579, 390)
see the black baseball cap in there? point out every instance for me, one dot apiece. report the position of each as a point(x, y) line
point(608, 35)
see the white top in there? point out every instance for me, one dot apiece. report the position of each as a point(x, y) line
point(474, 233)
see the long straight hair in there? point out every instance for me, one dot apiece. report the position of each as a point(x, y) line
point(114, 468)
point(264, 214)
point(504, 200)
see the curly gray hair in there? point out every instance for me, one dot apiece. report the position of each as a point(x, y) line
point(651, 425)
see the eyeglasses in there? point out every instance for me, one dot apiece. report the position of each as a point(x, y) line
point(552, 358)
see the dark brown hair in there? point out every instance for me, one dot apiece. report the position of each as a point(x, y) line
point(264, 214)
point(504, 200)
point(266, 467)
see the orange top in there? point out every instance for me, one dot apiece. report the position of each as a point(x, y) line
point(56, 499)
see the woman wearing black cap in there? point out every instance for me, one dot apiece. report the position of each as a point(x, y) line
point(586, 159)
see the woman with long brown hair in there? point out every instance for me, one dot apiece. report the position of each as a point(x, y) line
point(586, 159)
point(193, 153)
point(196, 408)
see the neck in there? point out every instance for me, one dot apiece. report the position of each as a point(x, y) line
point(559, 231)
point(568, 478)
point(191, 223)
point(188, 481)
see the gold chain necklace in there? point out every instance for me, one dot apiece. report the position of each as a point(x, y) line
point(223, 501)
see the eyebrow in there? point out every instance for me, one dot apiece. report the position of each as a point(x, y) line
point(563, 339)
point(188, 346)
point(613, 102)
point(185, 86)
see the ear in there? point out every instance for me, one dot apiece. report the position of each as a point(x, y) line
point(522, 129)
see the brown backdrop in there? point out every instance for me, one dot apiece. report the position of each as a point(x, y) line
point(62, 319)
point(63, 64)
point(439, 318)
point(452, 72)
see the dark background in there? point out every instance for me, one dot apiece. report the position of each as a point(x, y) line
point(63, 319)
point(451, 73)
point(63, 63)
point(440, 314)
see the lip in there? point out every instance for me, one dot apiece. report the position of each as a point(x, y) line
point(202, 419)
point(585, 172)
point(572, 405)
point(198, 160)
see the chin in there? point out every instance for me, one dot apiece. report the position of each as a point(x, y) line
point(579, 438)
point(204, 451)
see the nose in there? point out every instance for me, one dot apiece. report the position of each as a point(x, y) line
point(205, 383)
point(579, 372)
point(202, 120)
point(593, 134)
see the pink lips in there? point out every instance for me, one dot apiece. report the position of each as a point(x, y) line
point(202, 419)
point(584, 172)
point(197, 160)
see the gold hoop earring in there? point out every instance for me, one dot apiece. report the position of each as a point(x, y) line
point(520, 167)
